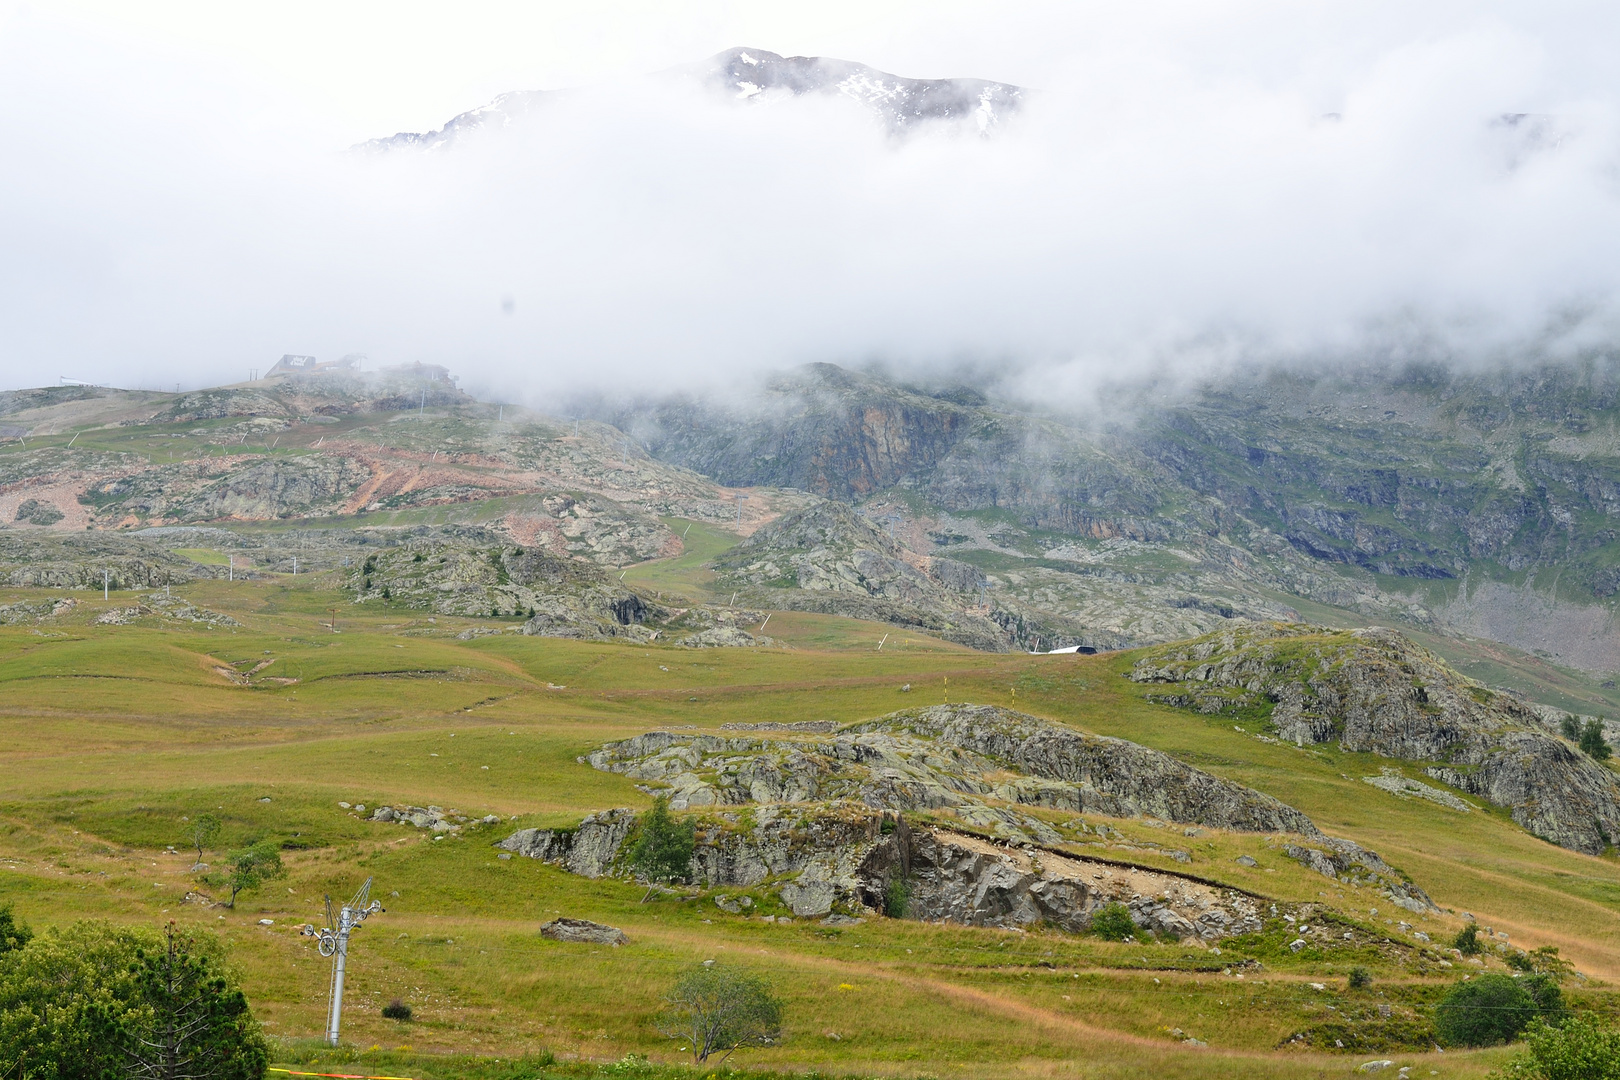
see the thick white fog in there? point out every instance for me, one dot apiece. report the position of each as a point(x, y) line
point(1187, 185)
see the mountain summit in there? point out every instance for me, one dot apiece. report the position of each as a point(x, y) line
point(901, 104)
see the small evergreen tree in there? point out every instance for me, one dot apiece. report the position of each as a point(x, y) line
point(1592, 741)
point(196, 1023)
point(663, 849)
point(252, 867)
point(896, 897)
point(1467, 940)
point(14, 934)
point(1570, 727)
point(1360, 978)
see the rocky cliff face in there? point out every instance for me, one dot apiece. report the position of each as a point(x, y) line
point(1374, 691)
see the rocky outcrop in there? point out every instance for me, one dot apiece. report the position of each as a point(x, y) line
point(433, 818)
point(588, 849)
point(1374, 691)
point(982, 763)
point(279, 488)
point(583, 931)
point(840, 859)
point(956, 756)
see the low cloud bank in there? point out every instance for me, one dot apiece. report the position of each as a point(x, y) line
point(1455, 194)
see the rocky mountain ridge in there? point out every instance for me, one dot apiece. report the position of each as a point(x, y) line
point(756, 75)
point(1374, 691)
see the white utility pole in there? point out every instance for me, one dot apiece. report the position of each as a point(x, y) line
point(739, 497)
point(421, 407)
point(295, 566)
point(105, 576)
point(334, 942)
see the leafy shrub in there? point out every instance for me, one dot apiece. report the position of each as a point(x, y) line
point(1492, 1009)
point(720, 1009)
point(1575, 1050)
point(1360, 978)
point(1113, 922)
point(1570, 727)
point(252, 867)
point(1467, 940)
point(396, 1010)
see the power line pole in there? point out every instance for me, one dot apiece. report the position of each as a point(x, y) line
point(106, 575)
point(739, 496)
point(334, 942)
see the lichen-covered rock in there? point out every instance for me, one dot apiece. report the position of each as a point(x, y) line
point(948, 756)
point(588, 849)
point(1374, 691)
point(583, 931)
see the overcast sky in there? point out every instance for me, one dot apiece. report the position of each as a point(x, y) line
point(177, 203)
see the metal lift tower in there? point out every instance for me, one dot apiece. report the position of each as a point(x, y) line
point(334, 942)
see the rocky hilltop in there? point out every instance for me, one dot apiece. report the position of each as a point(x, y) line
point(968, 757)
point(1374, 691)
point(828, 812)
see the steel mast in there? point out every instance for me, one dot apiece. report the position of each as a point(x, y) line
point(334, 942)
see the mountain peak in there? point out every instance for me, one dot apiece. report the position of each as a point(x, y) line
point(747, 74)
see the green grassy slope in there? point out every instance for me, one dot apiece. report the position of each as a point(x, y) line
point(116, 733)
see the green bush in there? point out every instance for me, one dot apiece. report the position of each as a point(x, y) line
point(896, 898)
point(397, 1009)
point(252, 867)
point(1360, 978)
point(1575, 1050)
point(1467, 940)
point(718, 1009)
point(1113, 922)
point(1492, 1009)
